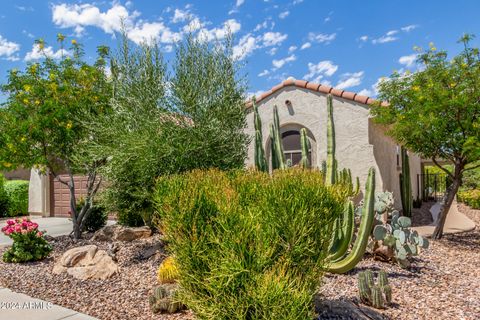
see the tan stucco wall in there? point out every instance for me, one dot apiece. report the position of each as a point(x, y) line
point(359, 143)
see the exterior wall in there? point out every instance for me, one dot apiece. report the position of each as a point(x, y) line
point(359, 143)
point(19, 174)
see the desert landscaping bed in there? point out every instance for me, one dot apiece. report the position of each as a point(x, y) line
point(444, 283)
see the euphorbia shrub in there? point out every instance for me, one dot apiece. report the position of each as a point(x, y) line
point(29, 243)
point(249, 245)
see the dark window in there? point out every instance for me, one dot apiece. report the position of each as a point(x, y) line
point(292, 148)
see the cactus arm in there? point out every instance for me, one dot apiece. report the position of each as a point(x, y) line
point(347, 232)
point(366, 224)
point(274, 152)
point(304, 142)
point(331, 162)
point(260, 161)
point(406, 185)
point(278, 140)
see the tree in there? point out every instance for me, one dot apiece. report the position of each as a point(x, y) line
point(435, 112)
point(162, 125)
point(44, 122)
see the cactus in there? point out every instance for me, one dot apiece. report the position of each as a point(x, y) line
point(366, 224)
point(305, 146)
point(406, 185)
point(374, 294)
point(341, 245)
point(168, 271)
point(164, 299)
point(357, 186)
point(331, 161)
point(278, 157)
point(260, 160)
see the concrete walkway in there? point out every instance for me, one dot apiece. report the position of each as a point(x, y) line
point(53, 226)
point(18, 306)
point(456, 221)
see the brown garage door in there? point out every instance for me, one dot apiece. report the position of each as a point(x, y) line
point(60, 204)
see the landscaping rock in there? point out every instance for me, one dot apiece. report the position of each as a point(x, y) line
point(121, 233)
point(86, 263)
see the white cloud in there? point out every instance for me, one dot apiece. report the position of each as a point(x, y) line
point(272, 51)
point(408, 60)
point(245, 47)
point(194, 25)
point(409, 28)
point(321, 37)
point(316, 72)
point(230, 25)
point(284, 14)
point(373, 91)
point(80, 16)
point(306, 45)
point(364, 38)
point(295, 2)
point(292, 49)
point(36, 53)
point(264, 73)
point(8, 49)
point(273, 38)
point(277, 64)
point(365, 92)
point(388, 37)
point(180, 15)
point(348, 80)
point(239, 3)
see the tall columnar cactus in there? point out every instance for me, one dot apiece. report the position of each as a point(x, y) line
point(305, 146)
point(278, 157)
point(260, 160)
point(331, 161)
point(406, 185)
point(366, 224)
point(344, 235)
point(379, 294)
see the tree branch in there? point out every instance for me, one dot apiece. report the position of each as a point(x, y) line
point(443, 169)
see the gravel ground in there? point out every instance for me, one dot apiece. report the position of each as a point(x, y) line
point(443, 284)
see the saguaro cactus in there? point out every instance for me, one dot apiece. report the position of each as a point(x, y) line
point(305, 144)
point(366, 224)
point(331, 161)
point(260, 160)
point(406, 185)
point(379, 294)
point(278, 157)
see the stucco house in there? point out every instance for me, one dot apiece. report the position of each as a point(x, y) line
point(360, 143)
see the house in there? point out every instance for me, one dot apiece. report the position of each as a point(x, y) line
point(360, 143)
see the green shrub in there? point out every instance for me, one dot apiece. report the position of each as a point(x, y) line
point(17, 191)
point(96, 219)
point(3, 198)
point(470, 197)
point(248, 245)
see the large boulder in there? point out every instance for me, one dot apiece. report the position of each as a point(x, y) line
point(86, 263)
point(121, 233)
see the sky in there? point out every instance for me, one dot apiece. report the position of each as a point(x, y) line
point(346, 44)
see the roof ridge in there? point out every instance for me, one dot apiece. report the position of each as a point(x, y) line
point(317, 87)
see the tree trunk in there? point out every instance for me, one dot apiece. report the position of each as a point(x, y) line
point(447, 203)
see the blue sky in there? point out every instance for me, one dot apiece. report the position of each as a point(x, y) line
point(346, 44)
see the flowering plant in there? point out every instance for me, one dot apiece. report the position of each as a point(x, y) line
point(29, 243)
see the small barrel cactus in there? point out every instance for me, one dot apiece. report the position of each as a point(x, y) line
point(167, 272)
point(377, 295)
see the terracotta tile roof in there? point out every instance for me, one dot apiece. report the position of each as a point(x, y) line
point(318, 88)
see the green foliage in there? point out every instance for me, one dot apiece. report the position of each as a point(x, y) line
point(248, 245)
point(3, 197)
point(17, 191)
point(197, 123)
point(377, 295)
point(470, 197)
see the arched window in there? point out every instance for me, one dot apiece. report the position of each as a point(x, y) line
point(292, 148)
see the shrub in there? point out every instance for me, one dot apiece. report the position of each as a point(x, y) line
point(470, 197)
point(248, 245)
point(28, 243)
point(17, 191)
point(96, 219)
point(3, 198)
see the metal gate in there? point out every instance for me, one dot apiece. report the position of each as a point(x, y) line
point(433, 185)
